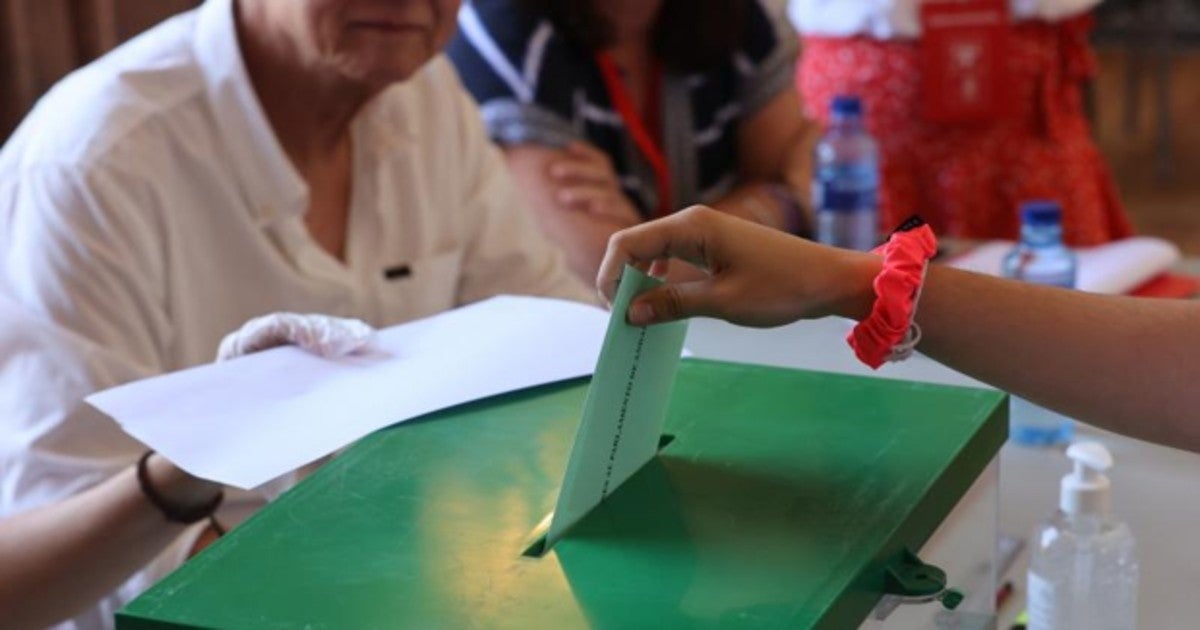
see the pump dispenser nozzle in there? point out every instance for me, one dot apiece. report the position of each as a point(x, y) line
point(1086, 490)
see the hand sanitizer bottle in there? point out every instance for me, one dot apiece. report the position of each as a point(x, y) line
point(1084, 572)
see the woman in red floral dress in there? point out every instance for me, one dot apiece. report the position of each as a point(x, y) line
point(966, 179)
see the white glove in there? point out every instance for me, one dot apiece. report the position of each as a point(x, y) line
point(321, 335)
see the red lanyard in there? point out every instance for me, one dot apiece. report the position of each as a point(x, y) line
point(638, 129)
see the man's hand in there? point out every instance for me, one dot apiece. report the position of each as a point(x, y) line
point(321, 335)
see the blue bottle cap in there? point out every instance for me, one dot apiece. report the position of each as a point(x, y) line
point(846, 105)
point(1041, 213)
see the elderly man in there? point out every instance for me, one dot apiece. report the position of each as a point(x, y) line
point(247, 157)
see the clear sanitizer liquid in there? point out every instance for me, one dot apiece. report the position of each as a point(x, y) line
point(1083, 573)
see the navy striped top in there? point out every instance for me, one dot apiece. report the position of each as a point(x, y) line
point(535, 86)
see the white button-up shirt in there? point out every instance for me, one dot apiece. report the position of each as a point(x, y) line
point(900, 19)
point(147, 209)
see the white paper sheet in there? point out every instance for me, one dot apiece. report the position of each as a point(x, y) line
point(1115, 268)
point(249, 420)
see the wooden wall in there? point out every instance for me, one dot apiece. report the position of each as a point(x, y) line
point(42, 40)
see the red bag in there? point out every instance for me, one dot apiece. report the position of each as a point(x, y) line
point(963, 57)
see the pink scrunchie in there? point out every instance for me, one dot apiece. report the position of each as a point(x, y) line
point(897, 287)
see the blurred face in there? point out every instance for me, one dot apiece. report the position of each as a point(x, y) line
point(371, 42)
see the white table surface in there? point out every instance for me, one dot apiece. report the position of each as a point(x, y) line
point(1155, 489)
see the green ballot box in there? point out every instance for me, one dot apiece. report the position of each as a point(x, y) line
point(780, 499)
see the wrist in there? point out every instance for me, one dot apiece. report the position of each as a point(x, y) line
point(177, 486)
point(852, 287)
point(889, 331)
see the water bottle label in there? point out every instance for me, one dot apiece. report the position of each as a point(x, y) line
point(1052, 265)
point(1032, 425)
point(845, 189)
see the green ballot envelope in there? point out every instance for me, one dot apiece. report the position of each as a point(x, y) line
point(623, 413)
point(785, 499)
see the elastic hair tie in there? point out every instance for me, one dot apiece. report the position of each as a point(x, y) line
point(890, 332)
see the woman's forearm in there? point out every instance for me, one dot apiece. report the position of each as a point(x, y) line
point(1125, 364)
point(61, 558)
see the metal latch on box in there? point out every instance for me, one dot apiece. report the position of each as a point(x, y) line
point(908, 580)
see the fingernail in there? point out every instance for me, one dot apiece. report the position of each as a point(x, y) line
point(641, 314)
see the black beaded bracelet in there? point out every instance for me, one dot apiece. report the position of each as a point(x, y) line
point(176, 513)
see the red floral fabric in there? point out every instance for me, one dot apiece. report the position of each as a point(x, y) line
point(966, 180)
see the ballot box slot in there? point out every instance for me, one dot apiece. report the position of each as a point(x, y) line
point(537, 547)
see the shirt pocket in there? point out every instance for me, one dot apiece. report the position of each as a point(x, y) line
point(422, 287)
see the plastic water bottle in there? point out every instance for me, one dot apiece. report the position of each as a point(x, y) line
point(1083, 572)
point(1041, 258)
point(846, 186)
